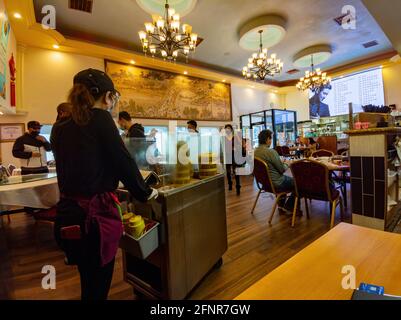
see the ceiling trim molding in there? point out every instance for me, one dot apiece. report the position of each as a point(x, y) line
point(30, 33)
point(380, 59)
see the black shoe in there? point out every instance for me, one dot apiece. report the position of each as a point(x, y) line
point(230, 188)
point(238, 192)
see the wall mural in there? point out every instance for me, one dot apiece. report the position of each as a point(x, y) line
point(155, 94)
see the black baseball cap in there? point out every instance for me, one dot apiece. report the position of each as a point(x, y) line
point(34, 125)
point(97, 82)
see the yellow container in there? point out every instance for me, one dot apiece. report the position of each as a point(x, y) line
point(136, 226)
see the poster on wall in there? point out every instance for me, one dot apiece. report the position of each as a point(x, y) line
point(155, 94)
point(9, 132)
point(4, 39)
point(360, 89)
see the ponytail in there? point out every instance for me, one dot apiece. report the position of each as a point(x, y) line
point(82, 102)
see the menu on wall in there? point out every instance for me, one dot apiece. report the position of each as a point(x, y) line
point(359, 89)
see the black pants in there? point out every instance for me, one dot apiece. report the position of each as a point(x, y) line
point(85, 253)
point(230, 172)
point(95, 280)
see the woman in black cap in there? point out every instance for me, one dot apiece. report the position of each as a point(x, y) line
point(91, 160)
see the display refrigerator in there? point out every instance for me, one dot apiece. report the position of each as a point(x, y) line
point(283, 123)
point(187, 236)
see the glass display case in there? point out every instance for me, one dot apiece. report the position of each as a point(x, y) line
point(282, 122)
point(190, 215)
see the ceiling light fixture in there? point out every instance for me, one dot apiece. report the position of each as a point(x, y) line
point(164, 35)
point(132, 62)
point(185, 72)
point(17, 15)
point(260, 65)
point(313, 80)
point(56, 46)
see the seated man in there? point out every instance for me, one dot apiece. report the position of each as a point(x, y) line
point(277, 169)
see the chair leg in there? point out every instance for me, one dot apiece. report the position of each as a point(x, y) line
point(294, 214)
point(36, 230)
point(333, 213)
point(9, 219)
point(307, 208)
point(256, 201)
point(274, 208)
point(342, 208)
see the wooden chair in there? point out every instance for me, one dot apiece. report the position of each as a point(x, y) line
point(322, 153)
point(263, 180)
point(312, 181)
point(286, 152)
point(279, 151)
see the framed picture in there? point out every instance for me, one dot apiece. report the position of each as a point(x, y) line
point(155, 94)
point(9, 132)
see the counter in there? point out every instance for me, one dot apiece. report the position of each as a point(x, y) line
point(192, 240)
point(375, 177)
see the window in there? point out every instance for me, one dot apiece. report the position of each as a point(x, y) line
point(210, 139)
point(46, 132)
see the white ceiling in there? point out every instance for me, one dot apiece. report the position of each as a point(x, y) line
point(310, 22)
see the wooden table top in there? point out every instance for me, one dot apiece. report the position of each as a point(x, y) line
point(330, 165)
point(316, 272)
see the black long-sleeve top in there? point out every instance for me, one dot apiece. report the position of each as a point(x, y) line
point(27, 139)
point(92, 159)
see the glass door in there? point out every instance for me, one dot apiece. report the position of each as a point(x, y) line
point(285, 127)
point(258, 124)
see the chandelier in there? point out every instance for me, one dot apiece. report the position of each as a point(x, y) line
point(164, 35)
point(313, 80)
point(260, 65)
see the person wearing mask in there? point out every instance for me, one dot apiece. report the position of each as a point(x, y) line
point(192, 126)
point(31, 148)
point(277, 170)
point(132, 130)
point(91, 160)
point(232, 143)
point(64, 111)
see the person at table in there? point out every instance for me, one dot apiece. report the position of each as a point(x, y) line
point(31, 149)
point(299, 152)
point(131, 130)
point(277, 169)
point(91, 160)
point(312, 147)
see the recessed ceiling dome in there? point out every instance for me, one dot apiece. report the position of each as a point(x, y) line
point(273, 27)
point(320, 53)
point(183, 7)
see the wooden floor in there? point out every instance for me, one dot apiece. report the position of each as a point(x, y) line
point(255, 249)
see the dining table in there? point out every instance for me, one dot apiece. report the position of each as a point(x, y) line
point(39, 191)
point(333, 266)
